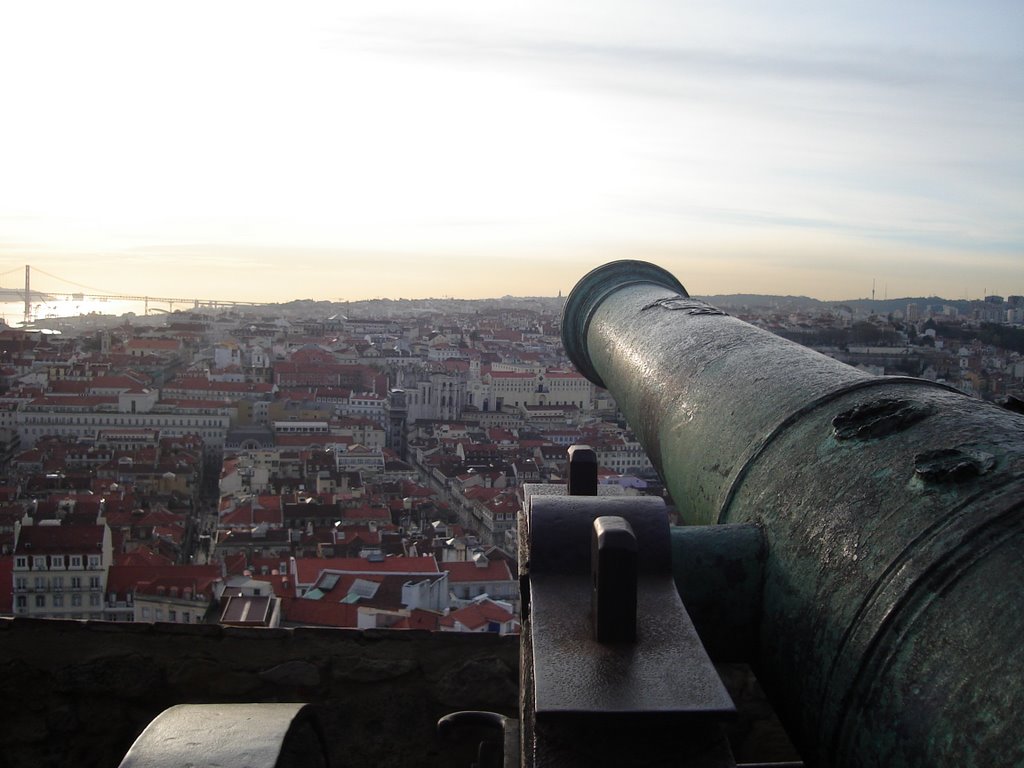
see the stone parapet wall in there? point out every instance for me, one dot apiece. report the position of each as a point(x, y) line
point(78, 693)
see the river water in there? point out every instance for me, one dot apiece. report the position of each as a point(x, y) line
point(14, 312)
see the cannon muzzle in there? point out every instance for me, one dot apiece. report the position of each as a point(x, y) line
point(891, 630)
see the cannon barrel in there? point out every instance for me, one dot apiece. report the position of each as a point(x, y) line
point(891, 630)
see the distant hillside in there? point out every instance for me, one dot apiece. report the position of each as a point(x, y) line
point(798, 303)
point(759, 301)
point(885, 306)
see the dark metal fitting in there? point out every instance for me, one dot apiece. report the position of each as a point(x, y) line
point(613, 569)
point(582, 471)
point(497, 736)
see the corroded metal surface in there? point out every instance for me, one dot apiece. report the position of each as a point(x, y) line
point(893, 517)
point(719, 572)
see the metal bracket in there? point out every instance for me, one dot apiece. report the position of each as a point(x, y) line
point(666, 671)
point(613, 572)
point(612, 670)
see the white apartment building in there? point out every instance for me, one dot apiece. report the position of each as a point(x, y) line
point(365, 405)
point(621, 457)
point(60, 571)
point(227, 354)
point(359, 458)
point(517, 388)
point(301, 427)
point(82, 417)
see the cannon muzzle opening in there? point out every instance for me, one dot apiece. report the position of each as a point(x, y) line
point(588, 294)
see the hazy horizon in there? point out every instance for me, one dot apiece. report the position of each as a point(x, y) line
point(247, 151)
point(11, 304)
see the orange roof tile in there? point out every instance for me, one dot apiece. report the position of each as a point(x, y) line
point(309, 568)
point(469, 571)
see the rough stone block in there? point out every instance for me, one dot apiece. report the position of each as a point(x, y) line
point(295, 673)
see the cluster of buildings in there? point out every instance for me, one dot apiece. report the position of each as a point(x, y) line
point(259, 470)
point(268, 469)
point(977, 347)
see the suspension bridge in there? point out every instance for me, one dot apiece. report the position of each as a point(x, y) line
point(69, 290)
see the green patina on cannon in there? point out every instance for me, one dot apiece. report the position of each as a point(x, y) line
point(889, 622)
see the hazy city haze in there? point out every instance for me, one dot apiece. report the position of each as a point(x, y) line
point(265, 152)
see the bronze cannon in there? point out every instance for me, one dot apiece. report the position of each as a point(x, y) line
point(889, 624)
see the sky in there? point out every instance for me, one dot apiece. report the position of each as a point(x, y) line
point(347, 150)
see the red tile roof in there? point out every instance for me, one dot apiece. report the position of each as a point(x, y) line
point(309, 568)
point(563, 375)
point(477, 615)
point(265, 509)
point(296, 610)
point(122, 579)
point(419, 619)
point(234, 565)
point(378, 514)
point(469, 571)
point(176, 585)
point(511, 375)
point(143, 556)
point(162, 344)
point(60, 539)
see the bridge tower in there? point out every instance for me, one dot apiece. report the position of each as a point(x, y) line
point(28, 295)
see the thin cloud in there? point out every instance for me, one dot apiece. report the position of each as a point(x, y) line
point(880, 66)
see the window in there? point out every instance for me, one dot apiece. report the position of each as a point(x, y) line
point(39, 563)
point(76, 561)
point(40, 601)
point(94, 600)
point(21, 562)
point(158, 614)
point(20, 584)
point(58, 582)
point(145, 612)
point(186, 617)
point(172, 615)
point(76, 601)
point(40, 582)
point(22, 601)
point(58, 601)
point(57, 561)
point(76, 582)
point(94, 582)
point(94, 561)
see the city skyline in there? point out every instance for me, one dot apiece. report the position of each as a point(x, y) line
point(335, 153)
